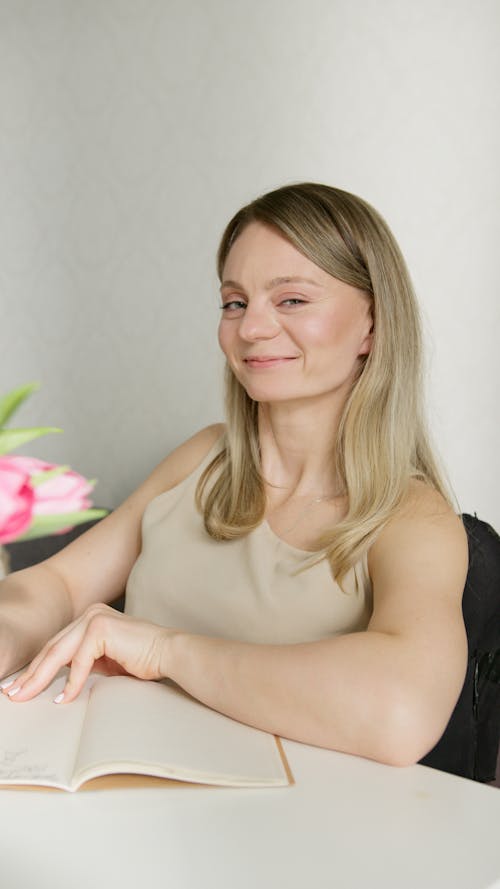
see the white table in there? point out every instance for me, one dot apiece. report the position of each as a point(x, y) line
point(347, 823)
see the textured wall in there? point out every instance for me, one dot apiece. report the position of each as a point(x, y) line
point(130, 131)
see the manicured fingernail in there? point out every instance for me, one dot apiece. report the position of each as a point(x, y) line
point(14, 691)
point(59, 698)
point(7, 684)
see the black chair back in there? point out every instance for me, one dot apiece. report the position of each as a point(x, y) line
point(469, 745)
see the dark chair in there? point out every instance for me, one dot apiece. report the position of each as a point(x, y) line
point(469, 745)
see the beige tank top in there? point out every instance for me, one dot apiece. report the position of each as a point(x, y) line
point(237, 589)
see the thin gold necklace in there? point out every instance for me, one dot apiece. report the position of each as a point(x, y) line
point(306, 509)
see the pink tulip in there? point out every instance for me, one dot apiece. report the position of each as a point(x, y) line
point(63, 493)
point(16, 500)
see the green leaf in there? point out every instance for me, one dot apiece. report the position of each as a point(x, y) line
point(9, 403)
point(14, 438)
point(44, 526)
point(40, 477)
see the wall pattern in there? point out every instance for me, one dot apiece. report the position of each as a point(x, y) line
point(130, 130)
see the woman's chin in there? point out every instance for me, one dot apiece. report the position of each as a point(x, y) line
point(274, 398)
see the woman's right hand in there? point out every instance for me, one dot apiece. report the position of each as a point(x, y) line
point(102, 640)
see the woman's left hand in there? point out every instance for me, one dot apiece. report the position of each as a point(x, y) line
point(102, 639)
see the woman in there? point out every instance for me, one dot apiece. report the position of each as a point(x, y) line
point(302, 567)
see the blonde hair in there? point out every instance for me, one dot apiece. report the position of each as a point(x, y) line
point(382, 441)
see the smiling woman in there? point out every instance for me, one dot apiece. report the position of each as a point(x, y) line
point(299, 568)
point(346, 313)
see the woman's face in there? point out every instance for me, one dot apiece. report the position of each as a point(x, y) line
point(289, 330)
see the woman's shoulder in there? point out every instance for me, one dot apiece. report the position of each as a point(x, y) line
point(424, 529)
point(423, 508)
point(186, 458)
point(95, 567)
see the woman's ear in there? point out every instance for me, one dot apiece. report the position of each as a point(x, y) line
point(367, 342)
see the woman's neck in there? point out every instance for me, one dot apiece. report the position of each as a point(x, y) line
point(297, 444)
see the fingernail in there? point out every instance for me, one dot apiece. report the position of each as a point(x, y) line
point(14, 691)
point(7, 684)
point(59, 698)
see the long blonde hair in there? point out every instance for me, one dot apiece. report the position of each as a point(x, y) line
point(382, 440)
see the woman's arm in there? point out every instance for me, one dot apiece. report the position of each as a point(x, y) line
point(386, 694)
point(34, 605)
point(37, 602)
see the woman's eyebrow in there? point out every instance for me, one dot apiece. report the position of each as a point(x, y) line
point(275, 282)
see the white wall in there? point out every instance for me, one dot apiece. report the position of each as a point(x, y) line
point(130, 131)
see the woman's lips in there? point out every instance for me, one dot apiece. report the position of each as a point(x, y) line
point(266, 362)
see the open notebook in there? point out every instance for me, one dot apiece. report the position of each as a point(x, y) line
point(121, 725)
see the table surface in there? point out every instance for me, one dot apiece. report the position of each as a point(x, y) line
point(347, 823)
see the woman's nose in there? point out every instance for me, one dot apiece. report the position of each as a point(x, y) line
point(258, 323)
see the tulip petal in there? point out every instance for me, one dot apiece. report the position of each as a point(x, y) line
point(68, 492)
point(40, 477)
point(30, 465)
point(16, 502)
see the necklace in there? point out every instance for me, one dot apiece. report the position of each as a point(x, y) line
point(306, 509)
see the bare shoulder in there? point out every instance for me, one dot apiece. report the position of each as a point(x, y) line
point(423, 516)
point(96, 565)
point(182, 461)
point(423, 546)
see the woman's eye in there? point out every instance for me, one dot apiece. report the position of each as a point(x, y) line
point(294, 300)
point(232, 304)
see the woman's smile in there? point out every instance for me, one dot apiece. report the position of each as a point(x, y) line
point(261, 363)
